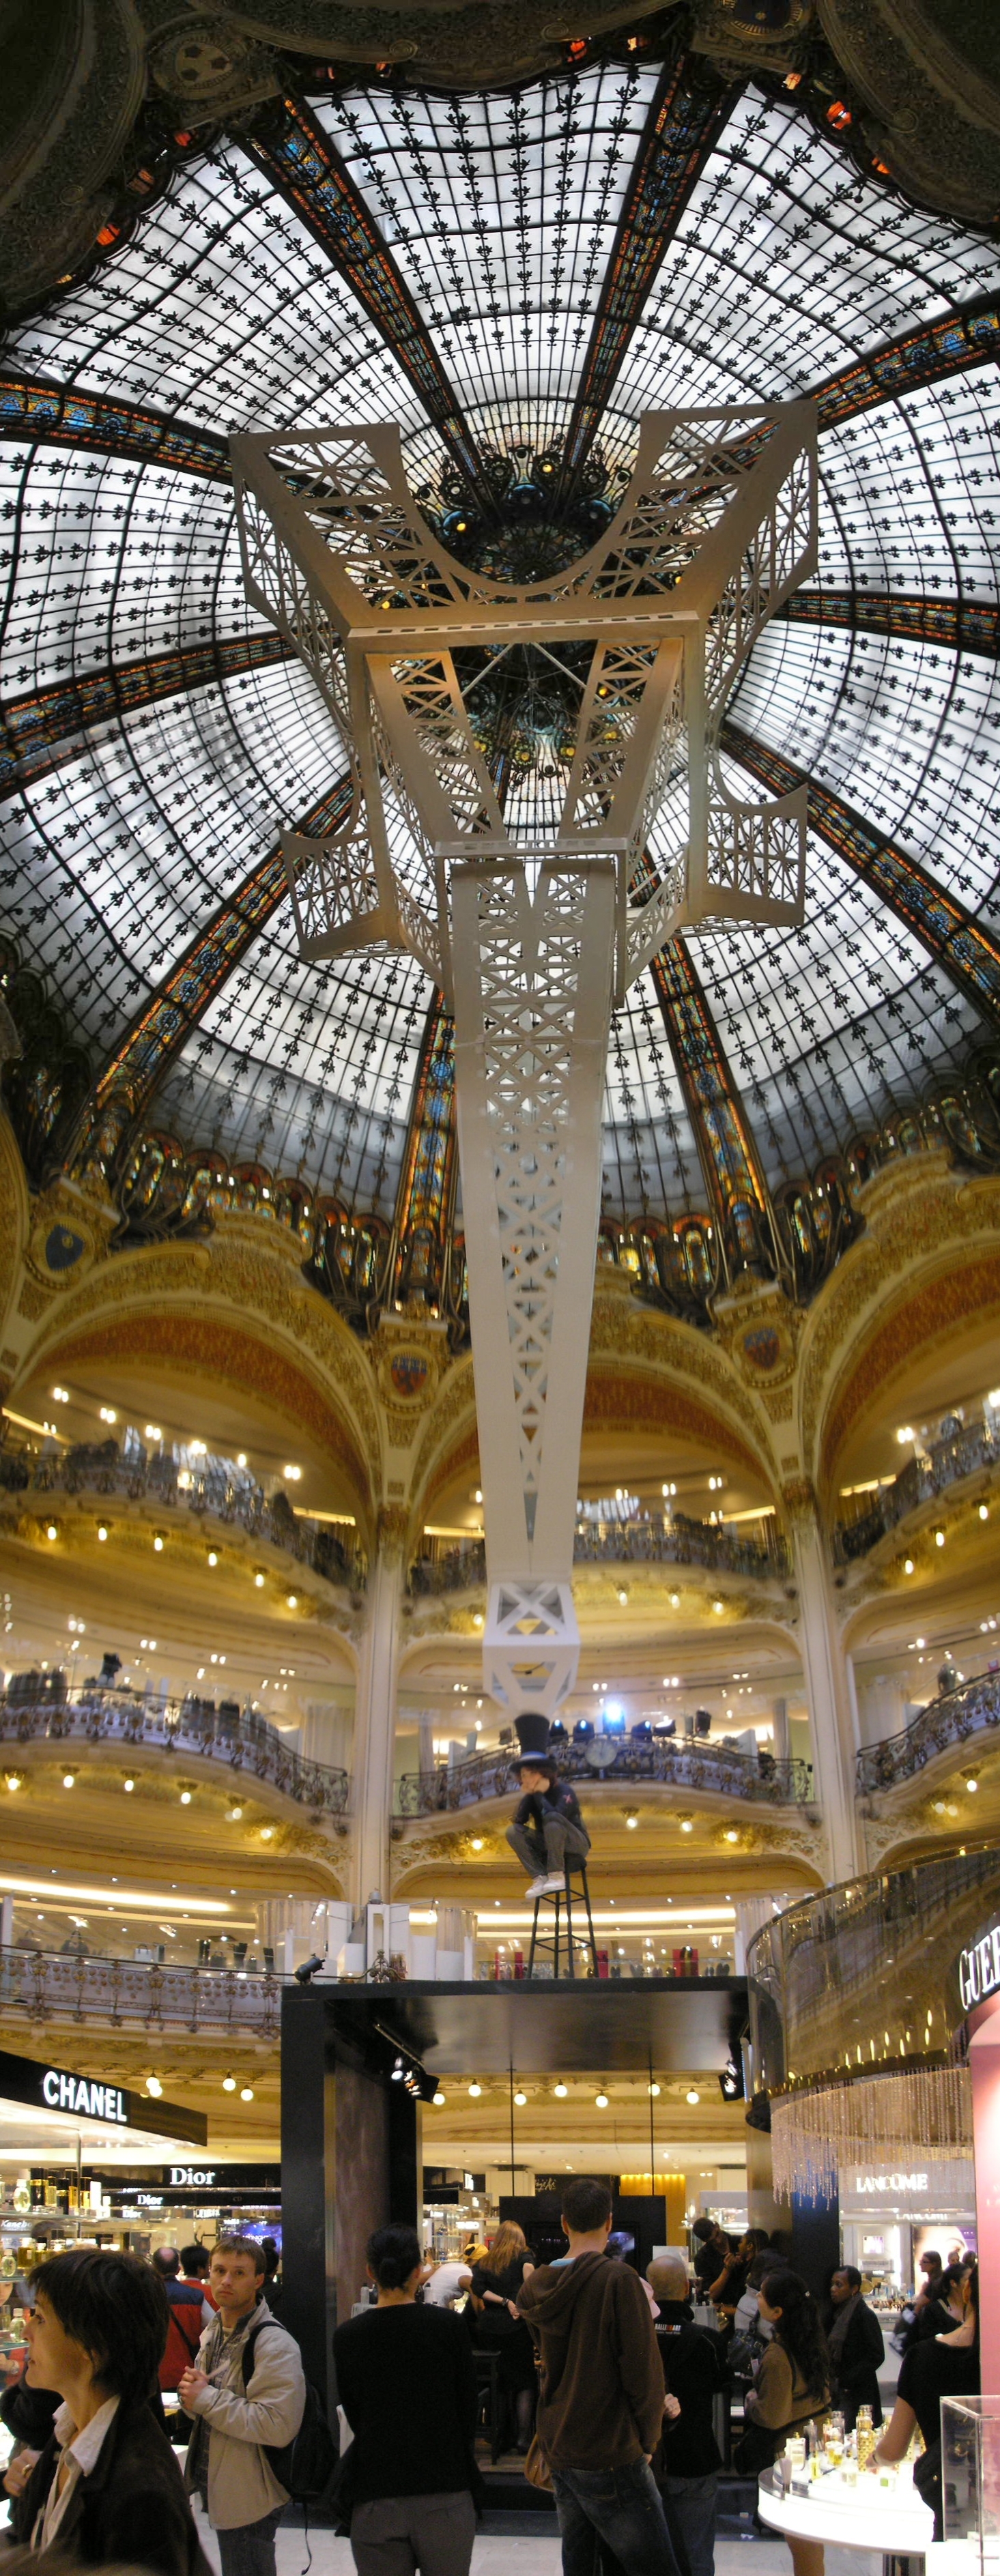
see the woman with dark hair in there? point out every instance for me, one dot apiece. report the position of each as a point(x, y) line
point(946, 2304)
point(944, 2365)
point(407, 2385)
point(498, 2327)
point(107, 2488)
point(793, 2382)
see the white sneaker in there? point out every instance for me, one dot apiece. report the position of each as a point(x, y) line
point(550, 1886)
point(538, 1886)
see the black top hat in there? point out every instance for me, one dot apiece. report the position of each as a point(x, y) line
point(532, 1731)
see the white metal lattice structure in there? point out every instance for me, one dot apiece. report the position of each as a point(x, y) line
point(532, 945)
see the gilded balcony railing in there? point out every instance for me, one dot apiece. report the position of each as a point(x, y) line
point(973, 1708)
point(659, 1540)
point(191, 1728)
point(944, 1463)
point(127, 1992)
point(723, 1771)
point(210, 1488)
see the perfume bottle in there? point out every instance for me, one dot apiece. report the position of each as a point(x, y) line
point(865, 2431)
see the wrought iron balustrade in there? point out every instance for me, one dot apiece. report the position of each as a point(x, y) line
point(946, 1462)
point(657, 1541)
point(209, 1489)
point(722, 1770)
point(48, 1987)
point(242, 1741)
point(971, 1709)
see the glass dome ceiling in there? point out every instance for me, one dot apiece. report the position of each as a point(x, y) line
point(160, 741)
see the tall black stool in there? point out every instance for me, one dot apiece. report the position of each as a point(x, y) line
point(549, 1942)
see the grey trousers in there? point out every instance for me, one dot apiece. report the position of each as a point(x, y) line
point(249, 2549)
point(396, 2534)
point(536, 1854)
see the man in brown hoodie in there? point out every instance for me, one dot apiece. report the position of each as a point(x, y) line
point(600, 2407)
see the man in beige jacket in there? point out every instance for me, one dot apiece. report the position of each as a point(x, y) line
point(227, 2463)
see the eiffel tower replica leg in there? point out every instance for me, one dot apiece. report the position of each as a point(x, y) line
point(533, 988)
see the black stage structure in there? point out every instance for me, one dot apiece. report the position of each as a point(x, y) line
point(351, 2130)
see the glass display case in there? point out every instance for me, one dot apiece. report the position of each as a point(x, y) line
point(970, 2466)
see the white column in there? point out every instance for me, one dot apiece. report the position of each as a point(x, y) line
point(828, 1691)
point(782, 1737)
point(375, 1714)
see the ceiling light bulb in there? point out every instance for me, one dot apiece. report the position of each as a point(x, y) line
point(267, 1833)
point(560, 2091)
point(655, 2091)
point(128, 1784)
point(213, 1556)
point(185, 1797)
point(907, 1564)
point(692, 2096)
point(293, 1600)
point(939, 1538)
point(13, 1779)
point(154, 2086)
point(438, 2100)
point(631, 1822)
point(68, 1779)
point(246, 2092)
point(474, 2092)
point(158, 1544)
point(229, 2083)
point(520, 2099)
point(233, 1815)
point(259, 1581)
point(600, 2101)
point(687, 1824)
point(51, 1530)
point(102, 1530)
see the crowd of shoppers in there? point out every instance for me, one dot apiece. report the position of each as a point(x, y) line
point(614, 2374)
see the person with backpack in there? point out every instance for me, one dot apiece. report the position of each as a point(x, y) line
point(190, 2313)
point(248, 2393)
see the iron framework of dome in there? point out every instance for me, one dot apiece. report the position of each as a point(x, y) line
point(515, 279)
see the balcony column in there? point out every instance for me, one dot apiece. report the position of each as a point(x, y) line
point(782, 1735)
point(828, 1685)
point(375, 1710)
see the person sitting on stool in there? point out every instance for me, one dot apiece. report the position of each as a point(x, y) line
point(548, 1826)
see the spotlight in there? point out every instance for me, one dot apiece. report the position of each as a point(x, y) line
point(13, 1779)
point(308, 1969)
point(731, 2082)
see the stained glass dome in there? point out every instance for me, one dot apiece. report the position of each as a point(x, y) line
point(506, 275)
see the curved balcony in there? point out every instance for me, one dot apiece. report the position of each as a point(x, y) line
point(722, 1772)
point(128, 1993)
point(971, 1709)
point(211, 1489)
point(193, 1728)
point(946, 1463)
point(656, 1541)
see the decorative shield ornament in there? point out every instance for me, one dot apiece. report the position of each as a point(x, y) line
point(408, 1372)
point(63, 1248)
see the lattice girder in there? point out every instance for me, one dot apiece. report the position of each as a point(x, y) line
point(715, 531)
